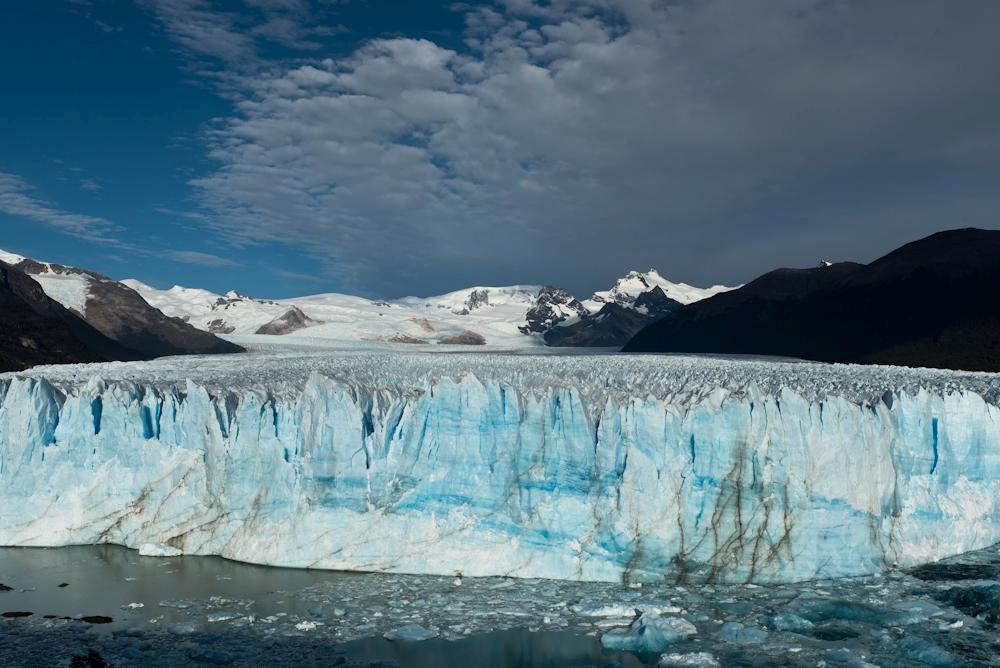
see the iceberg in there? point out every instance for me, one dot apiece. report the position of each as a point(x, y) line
point(581, 467)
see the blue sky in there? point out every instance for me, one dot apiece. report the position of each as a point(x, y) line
point(283, 147)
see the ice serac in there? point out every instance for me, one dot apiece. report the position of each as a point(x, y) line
point(525, 466)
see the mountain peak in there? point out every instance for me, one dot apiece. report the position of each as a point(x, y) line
point(628, 288)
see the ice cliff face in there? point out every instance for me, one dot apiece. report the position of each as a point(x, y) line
point(526, 466)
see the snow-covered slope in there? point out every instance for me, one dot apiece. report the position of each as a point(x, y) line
point(627, 289)
point(66, 285)
point(117, 311)
point(491, 312)
point(231, 313)
point(502, 316)
point(590, 468)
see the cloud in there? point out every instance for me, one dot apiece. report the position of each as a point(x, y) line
point(90, 185)
point(199, 258)
point(199, 28)
point(574, 139)
point(299, 276)
point(18, 198)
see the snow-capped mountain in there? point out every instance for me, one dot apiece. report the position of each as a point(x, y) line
point(498, 316)
point(36, 329)
point(627, 289)
point(471, 316)
point(117, 312)
point(553, 306)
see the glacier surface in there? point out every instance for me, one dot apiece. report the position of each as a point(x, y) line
point(588, 467)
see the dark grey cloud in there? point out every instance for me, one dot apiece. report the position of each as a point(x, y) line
point(575, 139)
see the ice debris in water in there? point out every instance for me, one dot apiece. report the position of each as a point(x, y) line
point(740, 634)
point(649, 633)
point(158, 550)
point(786, 621)
point(411, 632)
point(932, 616)
point(308, 626)
point(692, 660)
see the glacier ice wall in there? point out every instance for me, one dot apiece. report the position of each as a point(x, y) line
point(486, 473)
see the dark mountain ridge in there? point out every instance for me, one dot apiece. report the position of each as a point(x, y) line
point(932, 302)
point(38, 330)
point(116, 322)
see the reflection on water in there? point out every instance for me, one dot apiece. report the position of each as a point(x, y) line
point(209, 611)
point(103, 578)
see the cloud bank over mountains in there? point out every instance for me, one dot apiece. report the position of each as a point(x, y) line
point(568, 140)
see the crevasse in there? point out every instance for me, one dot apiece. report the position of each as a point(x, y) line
point(481, 476)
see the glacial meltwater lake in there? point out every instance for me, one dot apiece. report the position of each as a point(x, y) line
point(108, 604)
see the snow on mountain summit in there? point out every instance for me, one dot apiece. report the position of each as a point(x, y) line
point(627, 289)
point(505, 315)
point(67, 285)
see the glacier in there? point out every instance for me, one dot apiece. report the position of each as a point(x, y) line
point(593, 467)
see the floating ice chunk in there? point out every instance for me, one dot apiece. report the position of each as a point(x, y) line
point(924, 608)
point(843, 656)
point(223, 616)
point(786, 621)
point(308, 626)
point(924, 651)
point(411, 632)
point(860, 612)
point(649, 633)
point(179, 604)
point(739, 634)
point(614, 622)
point(596, 609)
point(158, 550)
point(694, 660)
point(133, 606)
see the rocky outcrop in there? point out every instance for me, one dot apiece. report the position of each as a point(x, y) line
point(553, 305)
point(466, 338)
point(614, 324)
point(35, 329)
point(122, 315)
point(290, 321)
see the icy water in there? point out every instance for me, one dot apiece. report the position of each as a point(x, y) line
point(139, 611)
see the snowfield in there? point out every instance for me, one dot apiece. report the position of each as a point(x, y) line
point(597, 467)
point(492, 313)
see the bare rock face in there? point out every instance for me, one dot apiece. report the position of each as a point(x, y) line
point(122, 315)
point(614, 324)
point(35, 329)
point(477, 299)
point(219, 326)
point(290, 321)
point(466, 338)
point(553, 305)
point(403, 338)
point(424, 324)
